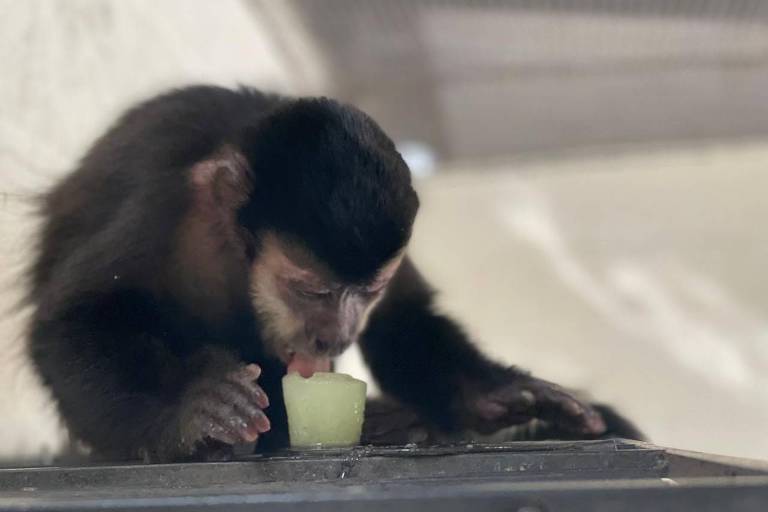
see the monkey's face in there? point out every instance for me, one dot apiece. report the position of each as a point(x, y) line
point(307, 316)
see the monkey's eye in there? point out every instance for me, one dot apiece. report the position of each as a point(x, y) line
point(373, 292)
point(312, 294)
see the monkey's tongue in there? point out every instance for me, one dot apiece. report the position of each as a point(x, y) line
point(307, 365)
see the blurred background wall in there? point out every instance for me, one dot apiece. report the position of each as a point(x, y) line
point(592, 173)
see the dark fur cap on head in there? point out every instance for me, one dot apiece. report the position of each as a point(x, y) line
point(326, 173)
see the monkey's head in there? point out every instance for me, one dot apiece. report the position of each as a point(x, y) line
point(330, 211)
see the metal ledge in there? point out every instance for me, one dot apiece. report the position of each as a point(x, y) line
point(542, 476)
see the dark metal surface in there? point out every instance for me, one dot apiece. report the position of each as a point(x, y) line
point(526, 477)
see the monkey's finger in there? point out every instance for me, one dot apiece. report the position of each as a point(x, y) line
point(247, 408)
point(220, 433)
point(522, 401)
point(259, 424)
point(242, 416)
point(232, 420)
point(540, 394)
point(594, 422)
point(251, 392)
point(492, 416)
point(490, 410)
point(509, 402)
point(247, 372)
point(243, 396)
point(242, 428)
point(568, 412)
point(210, 426)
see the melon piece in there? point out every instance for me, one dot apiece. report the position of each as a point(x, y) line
point(325, 410)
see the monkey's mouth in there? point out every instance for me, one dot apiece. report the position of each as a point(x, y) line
point(307, 365)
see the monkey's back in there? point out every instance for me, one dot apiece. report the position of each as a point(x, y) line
point(116, 204)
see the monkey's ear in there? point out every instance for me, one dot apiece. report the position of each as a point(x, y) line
point(224, 180)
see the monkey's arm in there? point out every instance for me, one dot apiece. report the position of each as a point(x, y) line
point(425, 360)
point(125, 393)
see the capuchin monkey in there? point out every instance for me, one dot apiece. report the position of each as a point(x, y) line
point(213, 240)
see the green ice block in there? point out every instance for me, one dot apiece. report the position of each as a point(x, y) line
point(325, 410)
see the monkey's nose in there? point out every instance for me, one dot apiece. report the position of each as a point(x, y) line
point(323, 346)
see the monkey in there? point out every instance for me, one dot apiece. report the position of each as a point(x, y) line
point(214, 239)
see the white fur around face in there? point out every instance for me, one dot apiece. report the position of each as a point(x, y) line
point(283, 325)
point(282, 330)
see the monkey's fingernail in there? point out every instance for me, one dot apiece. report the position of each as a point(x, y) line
point(262, 400)
point(261, 422)
point(596, 424)
point(573, 407)
point(490, 410)
point(250, 434)
point(528, 397)
point(254, 370)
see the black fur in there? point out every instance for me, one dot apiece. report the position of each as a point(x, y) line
point(328, 175)
point(423, 357)
point(120, 349)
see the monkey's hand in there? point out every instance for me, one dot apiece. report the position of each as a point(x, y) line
point(523, 398)
point(388, 423)
point(219, 411)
